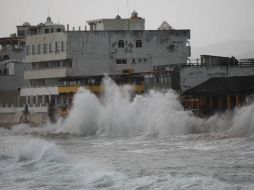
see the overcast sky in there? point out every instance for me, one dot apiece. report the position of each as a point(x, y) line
point(210, 21)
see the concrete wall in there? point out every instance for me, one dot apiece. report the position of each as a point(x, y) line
point(96, 52)
point(13, 53)
point(193, 76)
point(8, 98)
point(45, 73)
point(16, 81)
point(124, 24)
point(117, 24)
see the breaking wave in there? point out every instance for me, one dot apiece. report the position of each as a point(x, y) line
point(118, 113)
point(156, 113)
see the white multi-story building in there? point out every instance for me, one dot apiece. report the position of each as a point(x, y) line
point(111, 46)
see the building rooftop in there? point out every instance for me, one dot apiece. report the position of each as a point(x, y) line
point(223, 86)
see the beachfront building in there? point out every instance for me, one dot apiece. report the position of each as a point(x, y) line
point(111, 46)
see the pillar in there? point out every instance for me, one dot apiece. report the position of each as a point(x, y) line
point(228, 102)
point(237, 100)
point(219, 104)
point(26, 99)
point(211, 104)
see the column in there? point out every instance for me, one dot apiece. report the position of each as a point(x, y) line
point(237, 100)
point(26, 99)
point(219, 104)
point(228, 102)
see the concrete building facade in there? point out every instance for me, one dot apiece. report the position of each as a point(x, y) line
point(111, 47)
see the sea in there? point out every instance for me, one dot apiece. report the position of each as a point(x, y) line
point(121, 141)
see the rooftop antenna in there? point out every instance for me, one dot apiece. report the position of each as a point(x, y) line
point(127, 1)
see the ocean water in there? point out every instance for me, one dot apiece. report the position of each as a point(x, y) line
point(124, 142)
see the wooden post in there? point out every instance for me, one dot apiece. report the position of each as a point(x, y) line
point(219, 104)
point(192, 103)
point(228, 102)
point(237, 100)
point(211, 104)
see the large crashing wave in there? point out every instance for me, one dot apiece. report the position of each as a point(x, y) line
point(117, 113)
point(157, 113)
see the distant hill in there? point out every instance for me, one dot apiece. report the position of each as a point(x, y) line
point(238, 49)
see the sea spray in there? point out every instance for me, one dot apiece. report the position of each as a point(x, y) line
point(156, 113)
point(117, 113)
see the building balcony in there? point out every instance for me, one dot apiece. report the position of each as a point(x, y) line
point(46, 73)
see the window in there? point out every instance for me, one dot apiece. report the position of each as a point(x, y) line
point(46, 31)
point(50, 48)
point(45, 48)
point(34, 65)
point(138, 43)
point(62, 46)
point(52, 30)
point(171, 48)
point(6, 57)
point(121, 61)
point(33, 49)
point(145, 60)
point(139, 60)
point(118, 61)
point(58, 30)
point(121, 44)
point(57, 47)
point(27, 50)
point(133, 61)
point(39, 49)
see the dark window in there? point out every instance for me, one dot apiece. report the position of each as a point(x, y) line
point(46, 31)
point(62, 46)
point(145, 60)
point(133, 61)
point(33, 49)
point(5, 72)
point(52, 30)
point(138, 43)
point(121, 61)
point(50, 48)
point(124, 61)
point(45, 48)
point(70, 64)
point(56, 47)
point(171, 48)
point(6, 57)
point(58, 30)
point(39, 49)
point(118, 61)
point(121, 44)
point(27, 50)
point(139, 60)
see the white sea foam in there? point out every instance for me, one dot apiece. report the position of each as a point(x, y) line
point(117, 113)
point(156, 113)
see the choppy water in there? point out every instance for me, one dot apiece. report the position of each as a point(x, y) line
point(148, 142)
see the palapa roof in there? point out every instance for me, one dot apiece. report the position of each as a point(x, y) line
point(223, 86)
